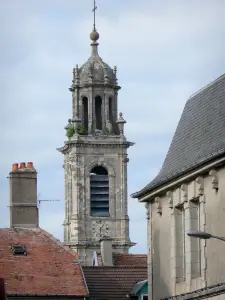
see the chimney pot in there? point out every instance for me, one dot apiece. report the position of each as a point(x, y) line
point(15, 167)
point(30, 165)
point(22, 165)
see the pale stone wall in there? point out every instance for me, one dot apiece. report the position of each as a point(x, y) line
point(81, 230)
point(177, 263)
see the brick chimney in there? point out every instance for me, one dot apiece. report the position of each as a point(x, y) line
point(106, 251)
point(23, 196)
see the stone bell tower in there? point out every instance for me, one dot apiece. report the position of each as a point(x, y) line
point(95, 161)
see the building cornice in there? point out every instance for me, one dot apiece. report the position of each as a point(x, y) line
point(151, 196)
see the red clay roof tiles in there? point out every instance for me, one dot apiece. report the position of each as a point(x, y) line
point(48, 268)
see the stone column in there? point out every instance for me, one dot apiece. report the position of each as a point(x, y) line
point(90, 109)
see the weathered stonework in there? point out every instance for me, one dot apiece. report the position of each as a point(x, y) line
point(106, 147)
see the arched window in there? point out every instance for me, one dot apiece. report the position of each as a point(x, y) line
point(98, 112)
point(110, 111)
point(85, 112)
point(99, 186)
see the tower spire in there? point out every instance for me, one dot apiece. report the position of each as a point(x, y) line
point(94, 36)
point(94, 9)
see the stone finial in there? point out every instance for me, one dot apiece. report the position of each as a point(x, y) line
point(169, 195)
point(215, 181)
point(158, 206)
point(94, 36)
point(76, 121)
point(200, 181)
point(121, 123)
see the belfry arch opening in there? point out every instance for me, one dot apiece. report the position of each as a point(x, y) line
point(98, 112)
point(99, 192)
point(85, 112)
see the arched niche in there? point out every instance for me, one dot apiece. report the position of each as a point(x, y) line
point(99, 192)
point(98, 112)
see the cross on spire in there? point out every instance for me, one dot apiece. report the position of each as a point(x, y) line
point(94, 9)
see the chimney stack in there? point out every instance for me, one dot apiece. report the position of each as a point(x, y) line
point(106, 251)
point(23, 196)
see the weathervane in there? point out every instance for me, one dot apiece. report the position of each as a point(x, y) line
point(94, 9)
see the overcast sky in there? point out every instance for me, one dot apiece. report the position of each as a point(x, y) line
point(164, 51)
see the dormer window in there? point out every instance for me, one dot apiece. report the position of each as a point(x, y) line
point(18, 250)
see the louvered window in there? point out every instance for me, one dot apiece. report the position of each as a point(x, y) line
point(99, 185)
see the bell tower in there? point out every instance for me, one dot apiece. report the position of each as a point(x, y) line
point(95, 161)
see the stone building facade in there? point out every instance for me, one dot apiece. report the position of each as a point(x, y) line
point(189, 194)
point(95, 161)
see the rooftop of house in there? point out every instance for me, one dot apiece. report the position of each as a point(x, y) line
point(32, 261)
point(114, 282)
point(199, 137)
point(124, 259)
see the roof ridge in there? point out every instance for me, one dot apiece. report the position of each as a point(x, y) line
point(206, 86)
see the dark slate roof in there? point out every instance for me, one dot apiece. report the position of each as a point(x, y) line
point(110, 283)
point(207, 292)
point(199, 137)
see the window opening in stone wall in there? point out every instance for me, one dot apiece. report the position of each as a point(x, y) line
point(180, 243)
point(99, 191)
point(85, 112)
point(98, 112)
point(110, 111)
point(195, 243)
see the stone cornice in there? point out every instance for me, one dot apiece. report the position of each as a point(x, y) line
point(203, 170)
point(92, 144)
point(94, 85)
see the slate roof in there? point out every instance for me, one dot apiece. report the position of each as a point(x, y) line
point(47, 269)
point(199, 137)
point(125, 259)
point(110, 283)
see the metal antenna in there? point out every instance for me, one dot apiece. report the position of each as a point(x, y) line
point(94, 9)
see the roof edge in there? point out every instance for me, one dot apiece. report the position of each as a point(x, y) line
point(212, 290)
point(144, 196)
point(206, 86)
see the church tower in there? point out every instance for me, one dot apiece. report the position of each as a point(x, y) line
point(95, 161)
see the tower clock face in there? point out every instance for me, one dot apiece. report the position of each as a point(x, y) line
point(100, 229)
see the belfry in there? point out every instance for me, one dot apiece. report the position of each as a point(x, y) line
point(95, 160)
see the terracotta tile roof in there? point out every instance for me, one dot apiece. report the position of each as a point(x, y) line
point(110, 283)
point(122, 259)
point(48, 268)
